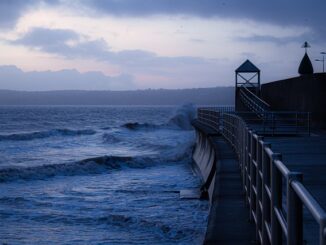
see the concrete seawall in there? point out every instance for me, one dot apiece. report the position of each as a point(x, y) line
point(204, 157)
point(218, 167)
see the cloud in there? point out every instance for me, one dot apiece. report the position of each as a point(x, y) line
point(40, 36)
point(183, 70)
point(12, 10)
point(296, 13)
point(62, 42)
point(69, 44)
point(299, 12)
point(271, 39)
point(197, 40)
point(14, 78)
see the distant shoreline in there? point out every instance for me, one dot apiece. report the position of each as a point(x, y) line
point(149, 97)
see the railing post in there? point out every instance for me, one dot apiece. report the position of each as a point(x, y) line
point(248, 166)
point(296, 122)
point(252, 177)
point(264, 121)
point(322, 232)
point(250, 170)
point(273, 123)
point(309, 123)
point(259, 187)
point(243, 131)
point(266, 212)
point(294, 212)
point(245, 160)
point(276, 182)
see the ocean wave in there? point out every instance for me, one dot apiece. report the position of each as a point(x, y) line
point(114, 219)
point(183, 117)
point(110, 138)
point(137, 126)
point(117, 220)
point(46, 134)
point(97, 165)
point(89, 166)
point(180, 120)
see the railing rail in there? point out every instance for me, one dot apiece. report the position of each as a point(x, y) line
point(211, 116)
point(275, 208)
point(270, 123)
point(253, 102)
point(278, 122)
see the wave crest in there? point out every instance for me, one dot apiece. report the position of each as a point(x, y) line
point(136, 126)
point(91, 166)
point(46, 134)
point(110, 138)
point(96, 165)
point(183, 117)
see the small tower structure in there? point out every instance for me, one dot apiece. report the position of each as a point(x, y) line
point(247, 75)
point(305, 67)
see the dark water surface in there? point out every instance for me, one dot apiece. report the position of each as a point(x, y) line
point(98, 175)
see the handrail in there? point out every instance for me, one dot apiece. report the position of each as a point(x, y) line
point(211, 116)
point(312, 205)
point(271, 123)
point(255, 97)
point(262, 174)
point(278, 122)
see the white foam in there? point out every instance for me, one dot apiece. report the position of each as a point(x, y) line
point(183, 117)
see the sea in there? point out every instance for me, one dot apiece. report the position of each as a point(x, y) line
point(98, 175)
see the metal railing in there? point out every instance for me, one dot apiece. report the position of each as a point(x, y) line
point(211, 116)
point(253, 102)
point(278, 122)
point(275, 195)
point(271, 123)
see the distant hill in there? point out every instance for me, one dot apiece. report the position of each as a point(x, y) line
point(199, 96)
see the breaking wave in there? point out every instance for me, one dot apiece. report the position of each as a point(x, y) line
point(95, 165)
point(89, 166)
point(46, 134)
point(136, 126)
point(181, 119)
point(110, 138)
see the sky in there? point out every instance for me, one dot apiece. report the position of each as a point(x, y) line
point(142, 44)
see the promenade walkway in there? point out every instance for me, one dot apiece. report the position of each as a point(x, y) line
point(229, 217)
point(228, 221)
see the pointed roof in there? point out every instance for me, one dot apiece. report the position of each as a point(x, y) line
point(305, 66)
point(247, 66)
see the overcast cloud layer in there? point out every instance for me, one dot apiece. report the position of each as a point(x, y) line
point(161, 43)
point(298, 12)
point(56, 41)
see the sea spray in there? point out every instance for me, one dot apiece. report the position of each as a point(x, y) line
point(183, 117)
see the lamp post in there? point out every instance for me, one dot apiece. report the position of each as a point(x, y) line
point(323, 60)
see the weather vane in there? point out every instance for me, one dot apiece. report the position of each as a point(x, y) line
point(306, 45)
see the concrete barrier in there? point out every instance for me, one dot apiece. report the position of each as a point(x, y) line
point(204, 157)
